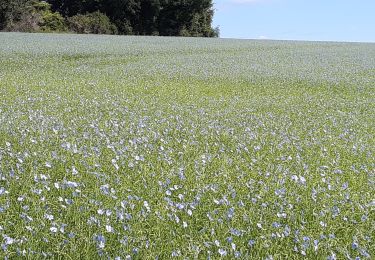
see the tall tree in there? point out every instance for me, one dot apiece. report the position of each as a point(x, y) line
point(123, 13)
point(11, 11)
point(140, 17)
point(178, 16)
point(148, 17)
point(68, 7)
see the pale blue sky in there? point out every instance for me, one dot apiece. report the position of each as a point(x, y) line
point(316, 20)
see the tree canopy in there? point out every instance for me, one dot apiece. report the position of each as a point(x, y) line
point(137, 17)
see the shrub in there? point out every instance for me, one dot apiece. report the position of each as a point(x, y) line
point(52, 22)
point(16, 15)
point(27, 22)
point(96, 23)
point(34, 16)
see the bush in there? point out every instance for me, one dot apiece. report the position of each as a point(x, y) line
point(52, 22)
point(96, 23)
point(33, 16)
point(28, 22)
point(16, 14)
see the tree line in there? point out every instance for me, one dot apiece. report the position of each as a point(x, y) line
point(130, 17)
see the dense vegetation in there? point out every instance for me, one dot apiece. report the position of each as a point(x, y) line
point(138, 17)
point(158, 147)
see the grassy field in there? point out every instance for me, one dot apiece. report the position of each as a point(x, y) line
point(150, 147)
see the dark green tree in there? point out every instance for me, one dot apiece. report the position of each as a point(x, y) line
point(123, 13)
point(139, 17)
point(68, 7)
point(186, 17)
point(11, 12)
point(148, 17)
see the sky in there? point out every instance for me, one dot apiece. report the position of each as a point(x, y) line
point(312, 20)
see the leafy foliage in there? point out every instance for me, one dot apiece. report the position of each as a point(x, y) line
point(29, 16)
point(148, 17)
point(138, 17)
point(50, 21)
point(12, 12)
point(95, 23)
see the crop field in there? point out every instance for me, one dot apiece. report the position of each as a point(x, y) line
point(121, 147)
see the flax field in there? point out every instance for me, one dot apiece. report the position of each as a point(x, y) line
point(125, 147)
